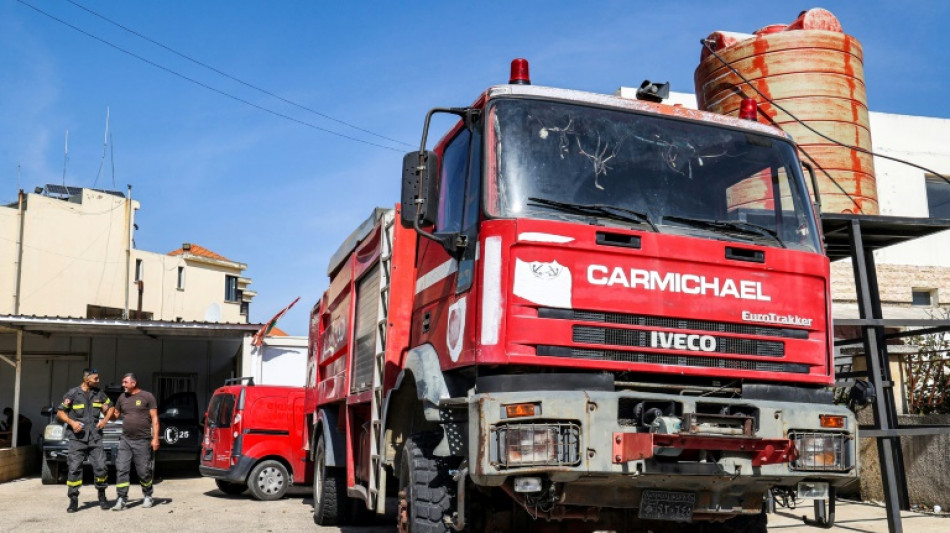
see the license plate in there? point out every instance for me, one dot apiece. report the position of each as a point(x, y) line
point(664, 505)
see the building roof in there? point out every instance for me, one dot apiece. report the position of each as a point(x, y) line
point(55, 325)
point(195, 249)
point(277, 332)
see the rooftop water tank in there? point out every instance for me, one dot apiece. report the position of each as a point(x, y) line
point(815, 71)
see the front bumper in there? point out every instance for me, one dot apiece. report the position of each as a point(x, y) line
point(59, 452)
point(729, 473)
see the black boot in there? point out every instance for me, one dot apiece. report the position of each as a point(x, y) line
point(73, 504)
point(103, 502)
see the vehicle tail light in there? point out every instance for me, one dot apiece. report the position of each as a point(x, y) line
point(236, 424)
point(519, 72)
point(749, 109)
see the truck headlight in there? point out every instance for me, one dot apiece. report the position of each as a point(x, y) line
point(54, 432)
point(822, 452)
point(518, 445)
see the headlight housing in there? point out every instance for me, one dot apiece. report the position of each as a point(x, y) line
point(819, 452)
point(520, 445)
point(54, 432)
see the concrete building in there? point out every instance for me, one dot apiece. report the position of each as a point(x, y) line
point(75, 293)
point(70, 252)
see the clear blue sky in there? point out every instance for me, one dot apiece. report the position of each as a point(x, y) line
point(281, 196)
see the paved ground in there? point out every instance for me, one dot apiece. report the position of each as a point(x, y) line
point(191, 503)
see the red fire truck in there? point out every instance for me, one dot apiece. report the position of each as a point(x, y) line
point(591, 310)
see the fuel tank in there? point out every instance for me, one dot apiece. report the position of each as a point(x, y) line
point(815, 71)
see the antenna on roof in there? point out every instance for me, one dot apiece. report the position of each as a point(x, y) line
point(65, 157)
point(105, 143)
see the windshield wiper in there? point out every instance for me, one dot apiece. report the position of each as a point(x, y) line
point(603, 210)
point(736, 225)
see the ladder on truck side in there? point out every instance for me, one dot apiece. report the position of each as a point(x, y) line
point(377, 477)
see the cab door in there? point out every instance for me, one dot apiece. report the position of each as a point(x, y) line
point(443, 313)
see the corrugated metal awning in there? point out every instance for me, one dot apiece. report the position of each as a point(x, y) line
point(126, 328)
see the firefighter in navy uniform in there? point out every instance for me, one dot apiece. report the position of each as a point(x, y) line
point(80, 412)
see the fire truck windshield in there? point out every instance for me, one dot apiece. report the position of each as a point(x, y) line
point(555, 160)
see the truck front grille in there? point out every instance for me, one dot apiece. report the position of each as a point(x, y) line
point(642, 339)
point(672, 359)
point(627, 319)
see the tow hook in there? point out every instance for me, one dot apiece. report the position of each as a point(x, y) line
point(460, 476)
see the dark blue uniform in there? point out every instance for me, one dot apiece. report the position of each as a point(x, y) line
point(84, 407)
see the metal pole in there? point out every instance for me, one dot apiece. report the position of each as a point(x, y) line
point(128, 250)
point(19, 254)
point(16, 389)
point(889, 473)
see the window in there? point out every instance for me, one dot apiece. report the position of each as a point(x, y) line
point(245, 308)
point(230, 289)
point(181, 278)
point(452, 183)
point(165, 385)
point(924, 297)
point(139, 270)
point(938, 197)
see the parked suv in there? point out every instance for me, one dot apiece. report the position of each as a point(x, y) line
point(180, 433)
point(253, 439)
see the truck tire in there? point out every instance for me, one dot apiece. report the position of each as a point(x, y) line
point(230, 488)
point(268, 480)
point(329, 490)
point(49, 472)
point(426, 490)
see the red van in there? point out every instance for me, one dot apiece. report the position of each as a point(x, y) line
point(253, 439)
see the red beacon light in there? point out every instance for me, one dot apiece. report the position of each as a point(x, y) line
point(519, 72)
point(749, 109)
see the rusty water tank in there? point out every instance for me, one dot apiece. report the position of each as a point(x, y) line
point(815, 71)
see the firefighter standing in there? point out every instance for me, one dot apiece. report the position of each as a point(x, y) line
point(80, 411)
point(139, 412)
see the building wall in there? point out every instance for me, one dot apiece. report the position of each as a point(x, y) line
point(8, 239)
point(201, 296)
point(901, 188)
point(74, 255)
point(279, 361)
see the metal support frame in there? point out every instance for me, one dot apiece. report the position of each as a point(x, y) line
point(856, 237)
point(891, 457)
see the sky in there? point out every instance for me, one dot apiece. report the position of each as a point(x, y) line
point(278, 180)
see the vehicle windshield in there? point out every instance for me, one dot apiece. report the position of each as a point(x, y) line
point(563, 161)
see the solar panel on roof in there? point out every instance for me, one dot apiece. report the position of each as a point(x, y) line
point(66, 190)
point(52, 188)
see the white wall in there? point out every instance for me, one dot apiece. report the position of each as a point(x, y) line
point(279, 361)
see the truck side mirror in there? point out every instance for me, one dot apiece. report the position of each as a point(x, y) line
point(420, 182)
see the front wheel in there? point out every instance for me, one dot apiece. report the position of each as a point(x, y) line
point(426, 490)
point(268, 480)
point(230, 488)
point(329, 489)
